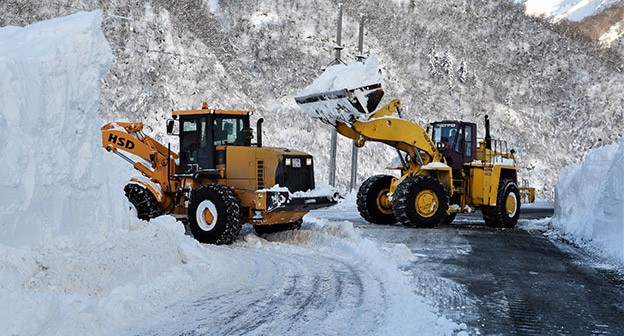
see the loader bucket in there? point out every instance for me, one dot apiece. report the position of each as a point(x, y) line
point(341, 105)
point(343, 92)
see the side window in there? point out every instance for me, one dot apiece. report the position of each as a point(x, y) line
point(228, 131)
point(229, 125)
point(189, 140)
point(189, 126)
point(203, 134)
point(220, 132)
point(468, 132)
point(459, 140)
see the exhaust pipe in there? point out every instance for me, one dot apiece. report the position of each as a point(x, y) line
point(259, 131)
point(488, 138)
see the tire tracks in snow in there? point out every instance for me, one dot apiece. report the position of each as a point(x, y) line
point(287, 290)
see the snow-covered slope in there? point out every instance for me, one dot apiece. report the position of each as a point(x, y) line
point(54, 176)
point(551, 95)
point(573, 10)
point(597, 20)
point(589, 207)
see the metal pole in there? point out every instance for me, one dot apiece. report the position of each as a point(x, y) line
point(354, 149)
point(354, 165)
point(334, 134)
point(338, 48)
point(360, 54)
point(332, 158)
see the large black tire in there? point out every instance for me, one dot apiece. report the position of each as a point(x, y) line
point(506, 212)
point(143, 201)
point(266, 229)
point(215, 214)
point(372, 200)
point(420, 201)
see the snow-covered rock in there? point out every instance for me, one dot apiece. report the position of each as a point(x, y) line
point(572, 10)
point(589, 207)
point(55, 177)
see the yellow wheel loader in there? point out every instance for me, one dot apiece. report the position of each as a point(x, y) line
point(219, 179)
point(444, 170)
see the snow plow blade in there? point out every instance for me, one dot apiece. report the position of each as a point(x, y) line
point(342, 105)
point(277, 201)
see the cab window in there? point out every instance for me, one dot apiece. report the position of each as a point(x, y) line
point(193, 138)
point(445, 132)
point(468, 152)
point(228, 131)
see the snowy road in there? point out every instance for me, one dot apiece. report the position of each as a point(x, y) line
point(334, 280)
point(291, 294)
point(511, 281)
point(322, 280)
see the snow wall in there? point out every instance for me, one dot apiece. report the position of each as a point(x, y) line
point(55, 177)
point(589, 201)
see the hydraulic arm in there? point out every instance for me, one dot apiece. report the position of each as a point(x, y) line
point(382, 127)
point(158, 162)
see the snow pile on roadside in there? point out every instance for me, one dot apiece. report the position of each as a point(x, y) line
point(100, 284)
point(54, 178)
point(589, 201)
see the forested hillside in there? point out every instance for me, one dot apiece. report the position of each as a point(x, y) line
point(550, 93)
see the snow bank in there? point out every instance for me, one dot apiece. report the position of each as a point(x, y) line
point(100, 284)
point(54, 177)
point(589, 201)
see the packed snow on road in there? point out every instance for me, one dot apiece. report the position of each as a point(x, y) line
point(75, 261)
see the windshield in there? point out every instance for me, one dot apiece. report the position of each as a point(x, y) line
point(445, 132)
point(228, 131)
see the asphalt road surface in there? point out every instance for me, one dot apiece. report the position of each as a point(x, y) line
point(512, 281)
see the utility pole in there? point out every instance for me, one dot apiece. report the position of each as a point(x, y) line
point(354, 149)
point(334, 135)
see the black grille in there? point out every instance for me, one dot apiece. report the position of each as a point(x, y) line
point(295, 179)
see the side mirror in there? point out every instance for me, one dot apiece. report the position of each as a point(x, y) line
point(171, 126)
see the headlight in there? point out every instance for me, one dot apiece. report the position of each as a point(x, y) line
point(287, 161)
point(308, 161)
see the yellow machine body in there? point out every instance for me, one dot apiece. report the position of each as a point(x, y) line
point(444, 169)
point(476, 185)
point(258, 175)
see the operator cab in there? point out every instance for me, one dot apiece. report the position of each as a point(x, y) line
point(457, 140)
point(205, 133)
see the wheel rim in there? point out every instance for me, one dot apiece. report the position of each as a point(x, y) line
point(426, 203)
point(206, 215)
point(383, 202)
point(511, 205)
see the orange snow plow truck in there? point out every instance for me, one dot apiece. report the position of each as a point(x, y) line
point(219, 179)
